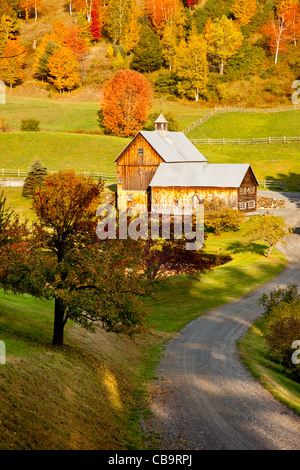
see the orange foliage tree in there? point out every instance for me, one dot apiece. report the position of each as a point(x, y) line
point(127, 98)
point(75, 40)
point(162, 11)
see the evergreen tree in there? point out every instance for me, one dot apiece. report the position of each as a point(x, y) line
point(5, 213)
point(34, 178)
point(147, 55)
point(41, 70)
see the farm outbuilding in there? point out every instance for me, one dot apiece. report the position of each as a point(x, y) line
point(162, 169)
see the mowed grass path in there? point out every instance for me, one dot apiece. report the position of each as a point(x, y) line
point(243, 125)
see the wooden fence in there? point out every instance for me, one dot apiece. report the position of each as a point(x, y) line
point(254, 140)
point(217, 110)
point(18, 173)
point(272, 184)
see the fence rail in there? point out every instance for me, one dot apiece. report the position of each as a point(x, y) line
point(18, 173)
point(217, 110)
point(272, 184)
point(254, 140)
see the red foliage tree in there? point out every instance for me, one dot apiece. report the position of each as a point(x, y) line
point(97, 19)
point(126, 102)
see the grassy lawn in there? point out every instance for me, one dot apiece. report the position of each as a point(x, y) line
point(98, 152)
point(86, 395)
point(61, 151)
point(255, 356)
point(247, 270)
point(243, 125)
point(260, 157)
point(70, 116)
point(97, 380)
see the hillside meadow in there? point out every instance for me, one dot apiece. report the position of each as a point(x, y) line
point(92, 393)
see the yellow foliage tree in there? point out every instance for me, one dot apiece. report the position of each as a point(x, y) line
point(224, 38)
point(191, 66)
point(172, 34)
point(132, 30)
point(13, 63)
point(244, 10)
point(63, 69)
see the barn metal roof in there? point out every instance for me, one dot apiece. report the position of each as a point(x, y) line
point(173, 146)
point(221, 175)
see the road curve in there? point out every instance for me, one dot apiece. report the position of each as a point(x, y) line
point(205, 398)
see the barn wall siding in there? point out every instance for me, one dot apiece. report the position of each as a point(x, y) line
point(135, 171)
point(170, 196)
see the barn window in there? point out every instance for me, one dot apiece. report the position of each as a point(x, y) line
point(242, 206)
point(242, 190)
point(251, 190)
point(130, 197)
point(251, 204)
point(141, 151)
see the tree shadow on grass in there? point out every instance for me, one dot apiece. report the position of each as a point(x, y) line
point(239, 247)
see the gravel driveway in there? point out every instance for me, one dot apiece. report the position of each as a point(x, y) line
point(205, 398)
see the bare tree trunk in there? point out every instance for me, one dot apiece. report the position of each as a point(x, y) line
point(58, 333)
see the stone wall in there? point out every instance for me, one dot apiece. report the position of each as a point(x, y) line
point(269, 203)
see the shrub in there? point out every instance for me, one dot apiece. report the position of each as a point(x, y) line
point(30, 125)
point(277, 296)
point(219, 217)
point(283, 329)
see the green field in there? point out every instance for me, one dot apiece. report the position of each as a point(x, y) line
point(98, 152)
point(61, 151)
point(254, 354)
point(65, 116)
point(244, 125)
point(247, 270)
point(286, 167)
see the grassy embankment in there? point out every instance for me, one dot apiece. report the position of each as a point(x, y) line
point(88, 394)
point(254, 354)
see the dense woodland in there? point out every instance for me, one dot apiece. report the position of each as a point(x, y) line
point(209, 51)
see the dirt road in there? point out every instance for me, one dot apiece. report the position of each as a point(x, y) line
point(205, 398)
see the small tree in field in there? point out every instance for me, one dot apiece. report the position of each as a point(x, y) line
point(91, 282)
point(126, 102)
point(268, 228)
point(34, 178)
point(219, 217)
